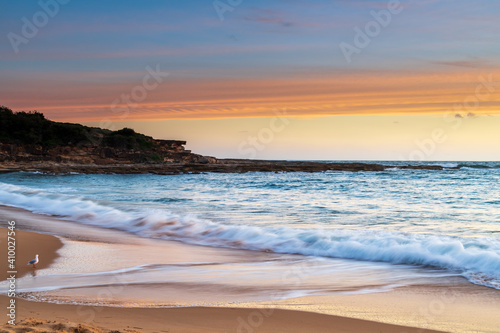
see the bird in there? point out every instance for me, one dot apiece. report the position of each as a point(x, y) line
point(34, 261)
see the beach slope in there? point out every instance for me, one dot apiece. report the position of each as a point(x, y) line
point(43, 317)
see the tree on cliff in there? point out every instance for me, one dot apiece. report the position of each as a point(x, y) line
point(32, 128)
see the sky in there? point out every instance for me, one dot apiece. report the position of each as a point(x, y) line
point(282, 79)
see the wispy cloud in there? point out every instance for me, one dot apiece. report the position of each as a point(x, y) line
point(473, 63)
point(268, 16)
point(466, 115)
point(339, 93)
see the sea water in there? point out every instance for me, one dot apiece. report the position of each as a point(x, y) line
point(394, 223)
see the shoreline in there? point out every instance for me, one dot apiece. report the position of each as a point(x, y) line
point(42, 316)
point(400, 310)
point(220, 166)
point(457, 306)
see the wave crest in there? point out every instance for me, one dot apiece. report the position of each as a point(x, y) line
point(478, 259)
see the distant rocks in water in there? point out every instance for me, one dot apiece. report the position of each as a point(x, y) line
point(204, 165)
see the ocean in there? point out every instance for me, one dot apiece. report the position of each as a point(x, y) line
point(356, 232)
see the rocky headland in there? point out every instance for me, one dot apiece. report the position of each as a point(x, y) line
point(30, 142)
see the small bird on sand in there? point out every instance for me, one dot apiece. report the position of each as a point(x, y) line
point(34, 261)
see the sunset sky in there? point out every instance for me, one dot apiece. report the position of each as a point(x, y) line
point(283, 79)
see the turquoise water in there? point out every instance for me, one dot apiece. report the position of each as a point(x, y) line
point(447, 220)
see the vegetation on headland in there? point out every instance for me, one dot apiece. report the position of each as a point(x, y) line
point(32, 128)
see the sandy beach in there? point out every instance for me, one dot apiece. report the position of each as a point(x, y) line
point(393, 311)
point(198, 319)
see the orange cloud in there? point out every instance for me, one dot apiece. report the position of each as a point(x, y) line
point(338, 93)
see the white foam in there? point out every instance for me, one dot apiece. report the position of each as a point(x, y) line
point(478, 259)
point(448, 165)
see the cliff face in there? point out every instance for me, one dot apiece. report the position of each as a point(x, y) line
point(161, 151)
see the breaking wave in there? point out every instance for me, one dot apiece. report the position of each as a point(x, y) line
point(477, 259)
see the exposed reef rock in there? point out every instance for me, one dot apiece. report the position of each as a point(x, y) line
point(207, 164)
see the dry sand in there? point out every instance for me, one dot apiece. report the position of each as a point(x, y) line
point(47, 317)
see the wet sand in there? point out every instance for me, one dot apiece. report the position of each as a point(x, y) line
point(458, 307)
point(470, 308)
point(27, 246)
point(42, 317)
